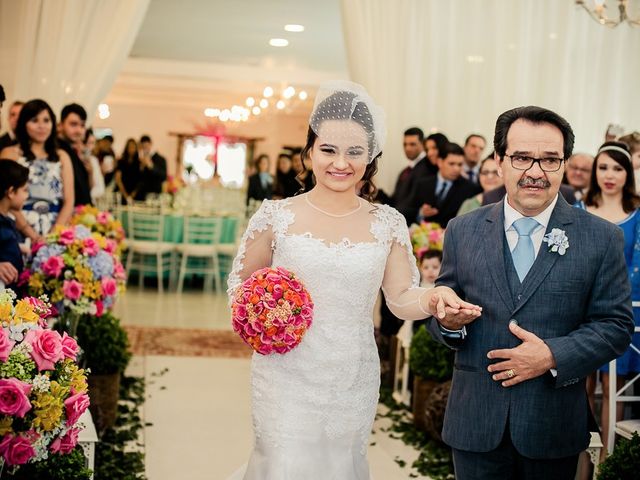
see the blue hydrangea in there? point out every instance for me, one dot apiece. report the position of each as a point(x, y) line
point(45, 252)
point(101, 265)
point(108, 302)
point(82, 232)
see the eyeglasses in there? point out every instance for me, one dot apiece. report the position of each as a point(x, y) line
point(576, 169)
point(548, 164)
point(489, 173)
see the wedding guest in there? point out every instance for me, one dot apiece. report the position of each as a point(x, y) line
point(127, 177)
point(578, 173)
point(51, 192)
point(260, 183)
point(303, 174)
point(633, 142)
point(612, 196)
point(97, 182)
point(153, 167)
point(418, 167)
point(286, 184)
point(438, 198)
point(71, 135)
point(435, 145)
point(9, 138)
point(473, 148)
point(489, 180)
point(107, 158)
point(430, 262)
point(14, 191)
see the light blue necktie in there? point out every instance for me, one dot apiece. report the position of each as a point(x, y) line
point(524, 254)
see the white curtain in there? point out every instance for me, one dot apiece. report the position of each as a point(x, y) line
point(66, 51)
point(455, 65)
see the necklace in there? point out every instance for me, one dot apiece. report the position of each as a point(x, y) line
point(306, 197)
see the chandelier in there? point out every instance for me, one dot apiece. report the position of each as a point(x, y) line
point(599, 13)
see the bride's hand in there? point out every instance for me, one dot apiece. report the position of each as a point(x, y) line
point(450, 310)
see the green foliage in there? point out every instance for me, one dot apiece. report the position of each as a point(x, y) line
point(104, 343)
point(624, 462)
point(119, 454)
point(430, 359)
point(56, 467)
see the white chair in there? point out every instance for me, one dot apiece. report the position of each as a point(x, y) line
point(202, 241)
point(228, 251)
point(147, 250)
point(401, 393)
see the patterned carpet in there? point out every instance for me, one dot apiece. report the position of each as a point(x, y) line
point(185, 342)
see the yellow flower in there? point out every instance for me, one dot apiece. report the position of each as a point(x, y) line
point(83, 274)
point(78, 380)
point(57, 295)
point(48, 411)
point(5, 425)
point(35, 282)
point(24, 313)
point(92, 289)
point(5, 312)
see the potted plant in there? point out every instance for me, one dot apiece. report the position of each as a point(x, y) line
point(431, 364)
point(624, 462)
point(105, 353)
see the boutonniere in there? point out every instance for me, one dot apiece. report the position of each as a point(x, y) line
point(557, 241)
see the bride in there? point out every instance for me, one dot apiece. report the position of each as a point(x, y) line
point(313, 408)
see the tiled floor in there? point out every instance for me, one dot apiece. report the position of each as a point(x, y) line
point(200, 408)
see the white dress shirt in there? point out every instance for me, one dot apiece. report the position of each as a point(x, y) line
point(421, 155)
point(511, 215)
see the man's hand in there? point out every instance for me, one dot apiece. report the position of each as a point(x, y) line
point(8, 273)
point(146, 161)
point(428, 211)
point(452, 312)
point(528, 360)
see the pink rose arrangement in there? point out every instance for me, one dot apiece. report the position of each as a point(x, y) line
point(272, 311)
point(103, 223)
point(426, 236)
point(78, 269)
point(43, 393)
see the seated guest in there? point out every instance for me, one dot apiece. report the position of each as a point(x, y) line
point(9, 138)
point(490, 179)
point(128, 177)
point(153, 168)
point(438, 198)
point(260, 183)
point(14, 192)
point(286, 184)
point(578, 173)
point(473, 148)
point(71, 134)
point(435, 145)
point(51, 193)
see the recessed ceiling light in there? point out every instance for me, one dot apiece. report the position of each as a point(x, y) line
point(264, 103)
point(294, 28)
point(302, 95)
point(250, 101)
point(267, 92)
point(280, 105)
point(289, 92)
point(278, 42)
point(256, 110)
point(211, 112)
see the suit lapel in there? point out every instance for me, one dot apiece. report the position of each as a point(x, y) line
point(494, 248)
point(545, 260)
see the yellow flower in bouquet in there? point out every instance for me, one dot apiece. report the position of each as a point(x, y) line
point(83, 274)
point(5, 425)
point(78, 381)
point(48, 410)
point(24, 313)
point(36, 284)
point(5, 312)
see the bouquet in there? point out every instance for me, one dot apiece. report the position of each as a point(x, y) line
point(426, 236)
point(79, 271)
point(272, 311)
point(42, 390)
point(103, 223)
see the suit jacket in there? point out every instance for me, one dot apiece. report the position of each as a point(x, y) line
point(401, 195)
point(7, 141)
point(497, 194)
point(579, 303)
point(154, 177)
point(424, 191)
point(256, 190)
point(81, 183)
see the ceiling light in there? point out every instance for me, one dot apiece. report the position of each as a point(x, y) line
point(302, 95)
point(264, 103)
point(103, 111)
point(278, 42)
point(268, 92)
point(256, 110)
point(280, 105)
point(294, 28)
point(211, 112)
point(289, 92)
point(225, 115)
point(250, 101)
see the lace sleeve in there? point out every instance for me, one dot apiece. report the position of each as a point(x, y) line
point(405, 298)
point(255, 249)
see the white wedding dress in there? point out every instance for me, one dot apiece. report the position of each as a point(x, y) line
point(313, 407)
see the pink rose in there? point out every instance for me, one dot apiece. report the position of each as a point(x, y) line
point(109, 286)
point(46, 348)
point(277, 291)
point(18, 450)
point(110, 246)
point(99, 308)
point(14, 397)
point(53, 266)
point(90, 247)
point(66, 443)
point(102, 218)
point(69, 347)
point(118, 271)
point(6, 344)
point(75, 406)
point(67, 237)
point(24, 277)
point(36, 246)
point(72, 289)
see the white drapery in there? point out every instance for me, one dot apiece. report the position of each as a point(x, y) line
point(66, 51)
point(455, 65)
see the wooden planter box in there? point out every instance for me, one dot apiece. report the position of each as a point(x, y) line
point(421, 390)
point(104, 391)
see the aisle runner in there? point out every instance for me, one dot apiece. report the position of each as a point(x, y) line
point(186, 342)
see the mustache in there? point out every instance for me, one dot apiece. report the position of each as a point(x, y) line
point(531, 182)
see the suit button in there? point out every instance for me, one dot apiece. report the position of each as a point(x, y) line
point(519, 297)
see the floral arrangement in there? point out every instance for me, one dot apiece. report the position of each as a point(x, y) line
point(426, 236)
point(103, 223)
point(78, 270)
point(43, 393)
point(174, 184)
point(272, 311)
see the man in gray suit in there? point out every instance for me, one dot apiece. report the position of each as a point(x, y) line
point(552, 283)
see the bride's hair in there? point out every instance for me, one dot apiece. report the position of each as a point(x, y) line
point(340, 105)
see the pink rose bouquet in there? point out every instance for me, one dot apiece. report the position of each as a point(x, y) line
point(43, 393)
point(272, 311)
point(103, 223)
